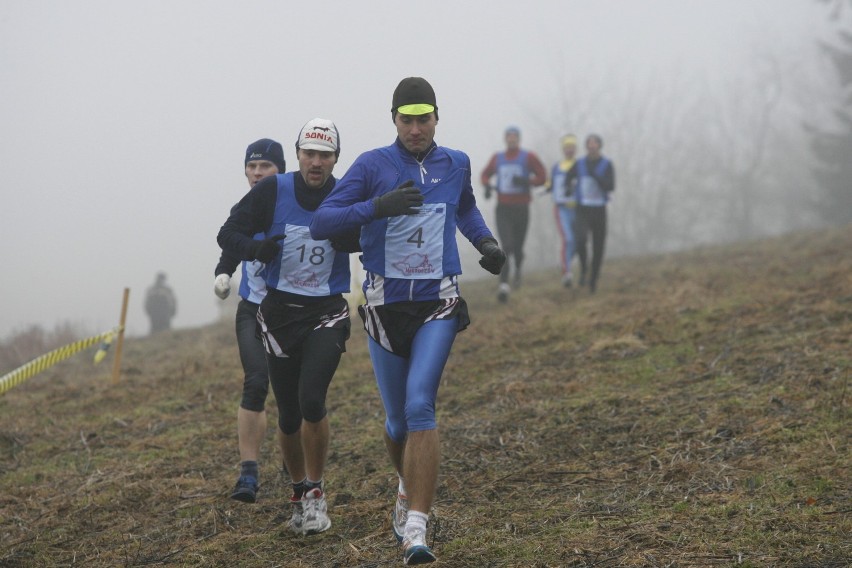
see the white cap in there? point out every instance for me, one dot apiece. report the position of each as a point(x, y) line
point(319, 134)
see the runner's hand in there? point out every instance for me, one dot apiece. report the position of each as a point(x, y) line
point(488, 190)
point(493, 257)
point(222, 286)
point(569, 188)
point(348, 242)
point(403, 200)
point(268, 250)
point(521, 181)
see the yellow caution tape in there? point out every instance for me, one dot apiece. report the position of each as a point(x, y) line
point(102, 350)
point(43, 362)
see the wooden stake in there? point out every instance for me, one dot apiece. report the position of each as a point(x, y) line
point(116, 365)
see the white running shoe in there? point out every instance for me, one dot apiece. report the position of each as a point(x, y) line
point(297, 520)
point(399, 516)
point(503, 292)
point(415, 551)
point(567, 281)
point(315, 512)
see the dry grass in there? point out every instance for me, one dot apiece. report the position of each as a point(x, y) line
point(692, 413)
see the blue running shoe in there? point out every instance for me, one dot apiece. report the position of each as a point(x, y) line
point(245, 489)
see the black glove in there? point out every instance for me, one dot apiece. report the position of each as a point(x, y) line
point(488, 190)
point(347, 242)
point(401, 201)
point(268, 249)
point(521, 181)
point(493, 257)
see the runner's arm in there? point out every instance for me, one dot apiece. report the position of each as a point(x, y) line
point(570, 178)
point(347, 207)
point(251, 215)
point(490, 170)
point(539, 173)
point(228, 263)
point(607, 181)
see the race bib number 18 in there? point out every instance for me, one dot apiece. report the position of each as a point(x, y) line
point(305, 263)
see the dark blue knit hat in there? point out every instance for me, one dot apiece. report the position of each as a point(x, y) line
point(269, 150)
point(595, 137)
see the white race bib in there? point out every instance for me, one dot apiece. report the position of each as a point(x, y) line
point(305, 263)
point(505, 175)
point(590, 191)
point(414, 244)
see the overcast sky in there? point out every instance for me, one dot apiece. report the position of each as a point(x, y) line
point(123, 125)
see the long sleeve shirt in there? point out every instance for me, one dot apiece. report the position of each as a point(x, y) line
point(254, 214)
point(377, 172)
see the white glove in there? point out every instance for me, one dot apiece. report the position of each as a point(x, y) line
point(222, 286)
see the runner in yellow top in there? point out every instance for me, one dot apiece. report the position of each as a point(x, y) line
point(564, 204)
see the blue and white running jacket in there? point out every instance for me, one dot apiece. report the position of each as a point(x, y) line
point(409, 257)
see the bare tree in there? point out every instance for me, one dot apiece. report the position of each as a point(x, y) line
point(698, 159)
point(832, 146)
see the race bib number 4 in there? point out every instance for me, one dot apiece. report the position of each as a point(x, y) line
point(414, 244)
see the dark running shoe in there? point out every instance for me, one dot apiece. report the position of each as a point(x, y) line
point(415, 551)
point(246, 489)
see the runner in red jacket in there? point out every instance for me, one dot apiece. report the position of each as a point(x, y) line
point(517, 171)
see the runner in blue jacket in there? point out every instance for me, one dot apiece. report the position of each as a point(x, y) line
point(264, 158)
point(409, 198)
point(591, 180)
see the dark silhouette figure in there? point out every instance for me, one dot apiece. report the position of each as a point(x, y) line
point(160, 304)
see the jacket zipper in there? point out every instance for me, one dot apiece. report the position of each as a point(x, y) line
point(423, 171)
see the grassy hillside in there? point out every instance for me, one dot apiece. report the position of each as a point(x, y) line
point(694, 412)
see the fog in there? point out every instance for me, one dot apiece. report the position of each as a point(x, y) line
point(124, 125)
